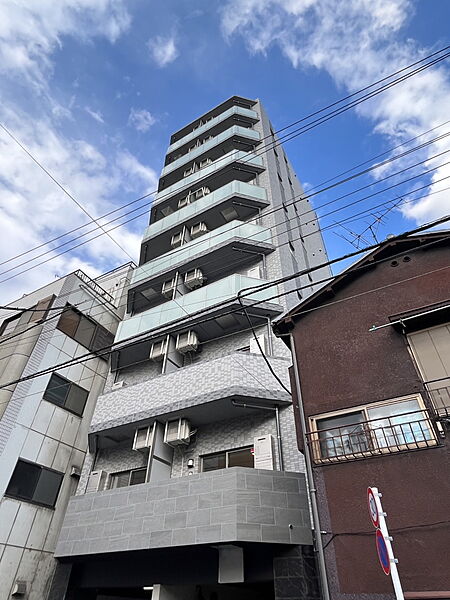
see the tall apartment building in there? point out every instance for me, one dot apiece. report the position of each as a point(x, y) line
point(191, 413)
point(44, 421)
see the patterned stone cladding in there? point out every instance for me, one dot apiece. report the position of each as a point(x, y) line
point(229, 505)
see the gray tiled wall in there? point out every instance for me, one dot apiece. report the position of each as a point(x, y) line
point(236, 374)
point(229, 505)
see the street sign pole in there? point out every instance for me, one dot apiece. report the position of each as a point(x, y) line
point(387, 540)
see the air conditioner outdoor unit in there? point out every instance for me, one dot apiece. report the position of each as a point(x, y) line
point(184, 201)
point(198, 229)
point(203, 191)
point(176, 240)
point(187, 342)
point(197, 144)
point(255, 272)
point(177, 432)
point(194, 279)
point(118, 385)
point(96, 481)
point(143, 438)
point(158, 350)
point(75, 471)
point(204, 163)
point(168, 288)
point(19, 589)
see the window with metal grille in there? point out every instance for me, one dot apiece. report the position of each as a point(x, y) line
point(374, 429)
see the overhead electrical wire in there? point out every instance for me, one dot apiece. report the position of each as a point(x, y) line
point(68, 194)
point(300, 238)
point(278, 295)
point(291, 201)
point(292, 134)
point(137, 338)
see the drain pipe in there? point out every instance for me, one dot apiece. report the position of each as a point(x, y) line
point(277, 425)
point(311, 486)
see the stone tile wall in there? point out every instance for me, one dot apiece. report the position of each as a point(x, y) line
point(229, 505)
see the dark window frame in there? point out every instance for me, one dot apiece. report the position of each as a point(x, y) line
point(98, 331)
point(130, 472)
point(36, 314)
point(71, 384)
point(42, 468)
point(226, 453)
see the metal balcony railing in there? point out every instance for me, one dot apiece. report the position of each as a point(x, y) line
point(439, 392)
point(387, 435)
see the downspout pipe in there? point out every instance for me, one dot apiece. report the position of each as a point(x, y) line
point(311, 485)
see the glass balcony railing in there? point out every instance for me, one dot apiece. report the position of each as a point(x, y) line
point(204, 244)
point(235, 188)
point(202, 298)
point(244, 132)
point(234, 110)
point(220, 163)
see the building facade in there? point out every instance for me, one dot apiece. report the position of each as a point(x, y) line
point(44, 421)
point(374, 384)
point(190, 412)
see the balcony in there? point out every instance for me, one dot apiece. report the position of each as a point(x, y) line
point(246, 113)
point(208, 209)
point(184, 255)
point(235, 376)
point(235, 132)
point(223, 292)
point(376, 437)
point(227, 506)
point(250, 162)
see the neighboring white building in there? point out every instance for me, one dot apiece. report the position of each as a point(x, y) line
point(44, 421)
point(194, 484)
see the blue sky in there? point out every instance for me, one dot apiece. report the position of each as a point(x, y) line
point(94, 88)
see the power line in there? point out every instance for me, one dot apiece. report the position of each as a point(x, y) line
point(301, 237)
point(370, 160)
point(272, 211)
point(139, 337)
point(358, 268)
point(292, 134)
point(80, 206)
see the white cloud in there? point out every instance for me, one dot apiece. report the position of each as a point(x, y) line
point(30, 219)
point(357, 42)
point(97, 115)
point(141, 120)
point(163, 50)
point(132, 169)
point(31, 31)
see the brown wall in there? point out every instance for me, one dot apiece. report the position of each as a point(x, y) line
point(341, 365)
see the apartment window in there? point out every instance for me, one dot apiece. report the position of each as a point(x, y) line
point(84, 330)
point(370, 430)
point(34, 483)
point(38, 312)
point(126, 478)
point(64, 393)
point(241, 457)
